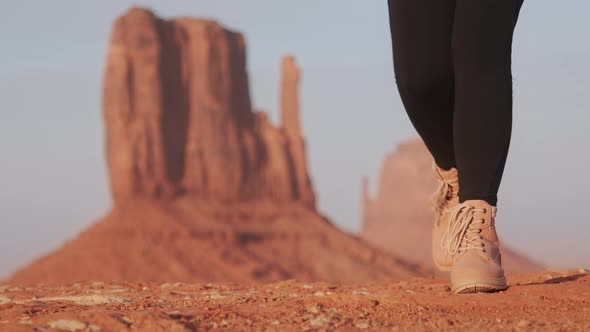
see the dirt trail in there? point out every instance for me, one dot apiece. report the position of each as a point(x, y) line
point(548, 301)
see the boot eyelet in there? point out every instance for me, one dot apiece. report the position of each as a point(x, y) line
point(485, 210)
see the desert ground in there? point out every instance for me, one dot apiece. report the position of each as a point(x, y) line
point(552, 301)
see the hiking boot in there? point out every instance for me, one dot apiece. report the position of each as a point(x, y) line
point(472, 241)
point(444, 201)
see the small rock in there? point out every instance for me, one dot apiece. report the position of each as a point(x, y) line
point(68, 325)
point(216, 296)
point(4, 299)
point(88, 300)
point(319, 293)
point(523, 323)
point(319, 321)
point(315, 309)
point(25, 321)
point(126, 320)
point(307, 286)
point(94, 328)
point(174, 314)
point(361, 325)
point(179, 293)
point(275, 322)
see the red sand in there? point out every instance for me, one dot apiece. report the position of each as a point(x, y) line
point(548, 301)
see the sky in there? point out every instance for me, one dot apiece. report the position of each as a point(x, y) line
point(52, 171)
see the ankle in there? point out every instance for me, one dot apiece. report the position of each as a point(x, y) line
point(490, 200)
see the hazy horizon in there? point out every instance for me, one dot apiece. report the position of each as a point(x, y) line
point(53, 175)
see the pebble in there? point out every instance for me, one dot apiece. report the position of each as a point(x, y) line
point(360, 292)
point(523, 323)
point(88, 300)
point(319, 321)
point(216, 296)
point(68, 325)
point(94, 328)
point(4, 299)
point(315, 309)
point(126, 320)
point(361, 325)
point(25, 321)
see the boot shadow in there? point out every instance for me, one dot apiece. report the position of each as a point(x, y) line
point(558, 280)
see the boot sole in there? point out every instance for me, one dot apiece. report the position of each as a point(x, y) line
point(487, 286)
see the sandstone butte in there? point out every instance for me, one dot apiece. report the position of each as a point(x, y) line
point(399, 218)
point(204, 189)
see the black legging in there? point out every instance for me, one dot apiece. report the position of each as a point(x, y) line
point(452, 61)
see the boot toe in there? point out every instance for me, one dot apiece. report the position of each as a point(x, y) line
point(480, 277)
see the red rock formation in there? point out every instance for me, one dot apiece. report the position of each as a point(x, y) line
point(292, 127)
point(179, 118)
point(399, 218)
point(204, 188)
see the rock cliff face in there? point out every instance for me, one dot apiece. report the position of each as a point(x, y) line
point(179, 119)
point(399, 218)
point(204, 189)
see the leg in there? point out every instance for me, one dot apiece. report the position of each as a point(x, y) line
point(421, 32)
point(482, 47)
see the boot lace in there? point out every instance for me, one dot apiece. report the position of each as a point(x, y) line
point(441, 197)
point(459, 235)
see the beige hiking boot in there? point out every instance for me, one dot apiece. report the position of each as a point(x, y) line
point(444, 201)
point(472, 241)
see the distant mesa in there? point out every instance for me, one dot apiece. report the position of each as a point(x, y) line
point(179, 119)
point(399, 218)
point(203, 188)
